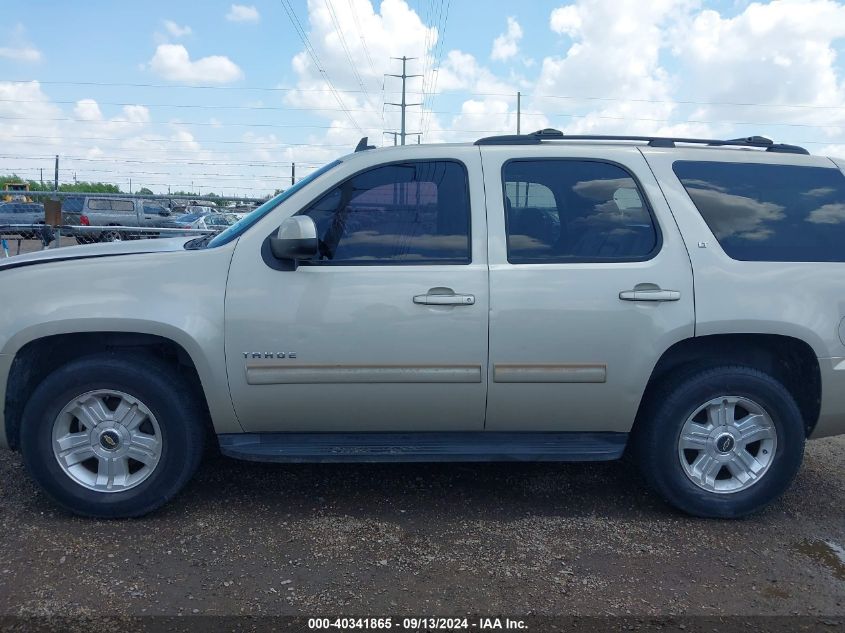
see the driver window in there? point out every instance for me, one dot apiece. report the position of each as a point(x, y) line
point(405, 213)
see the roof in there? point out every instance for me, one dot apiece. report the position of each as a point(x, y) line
point(549, 135)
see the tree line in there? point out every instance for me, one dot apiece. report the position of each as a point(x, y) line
point(101, 187)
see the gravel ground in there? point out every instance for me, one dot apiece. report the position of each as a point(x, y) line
point(445, 539)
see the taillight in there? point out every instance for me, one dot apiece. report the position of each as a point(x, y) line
point(84, 221)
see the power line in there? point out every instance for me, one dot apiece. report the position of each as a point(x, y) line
point(339, 30)
point(472, 94)
point(270, 146)
point(265, 144)
point(133, 173)
point(157, 162)
point(425, 119)
point(425, 10)
point(176, 122)
point(303, 36)
point(361, 36)
point(456, 112)
point(203, 106)
point(106, 84)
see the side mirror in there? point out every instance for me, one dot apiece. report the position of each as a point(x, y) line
point(296, 239)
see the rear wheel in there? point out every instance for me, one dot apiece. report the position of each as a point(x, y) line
point(720, 442)
point(112, 436)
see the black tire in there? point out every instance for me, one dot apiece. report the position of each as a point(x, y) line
point(110, 236)
point(167, 395)
point(659, 426)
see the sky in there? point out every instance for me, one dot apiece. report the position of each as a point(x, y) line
point(224, 97)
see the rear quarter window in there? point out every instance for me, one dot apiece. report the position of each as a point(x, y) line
point(123, 206)
point(99, 205)
point(781, 213)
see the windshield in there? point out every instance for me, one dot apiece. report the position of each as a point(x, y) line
point(239, 227)
point(188, 217)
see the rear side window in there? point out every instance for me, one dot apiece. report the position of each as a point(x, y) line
point(568, 211)
point(99, 205)
point(122, 206)
point(404, 213)
point(777, 213)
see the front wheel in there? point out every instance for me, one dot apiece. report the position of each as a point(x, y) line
point(721, 442)
point(112, 436)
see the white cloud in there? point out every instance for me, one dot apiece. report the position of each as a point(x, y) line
point(87, 110)
point(243, 13)
point(172, 62)
point(506, 45)
point(95, 144)
point(372, 38)
point(566, 20)
point(17, 48)
point(24, 54)
point(614, 53)
point(617, 66)
point(175, 30)
point(778, 53)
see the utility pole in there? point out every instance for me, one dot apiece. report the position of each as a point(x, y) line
point(56, 186)
point(404, 105)
point(293, 174)
point(42, 176)
point(395, 135)
point(518, 111)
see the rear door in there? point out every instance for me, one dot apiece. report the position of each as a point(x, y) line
point(590, 283)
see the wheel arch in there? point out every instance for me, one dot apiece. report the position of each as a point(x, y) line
point(790, 360)
point(36, 354)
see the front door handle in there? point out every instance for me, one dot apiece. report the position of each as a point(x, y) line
point(444, 297)
point(655, 294)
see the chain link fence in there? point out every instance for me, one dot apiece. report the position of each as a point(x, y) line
point(82, 217)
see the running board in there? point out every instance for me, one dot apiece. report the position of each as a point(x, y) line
point(481, 446)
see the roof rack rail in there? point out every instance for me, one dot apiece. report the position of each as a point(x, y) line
point(550, 134)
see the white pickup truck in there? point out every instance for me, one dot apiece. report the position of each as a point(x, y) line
point(533, 297)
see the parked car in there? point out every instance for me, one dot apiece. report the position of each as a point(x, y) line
point(105, 211)
point(533, 297)
point(22, 213)
point(200, 220)
point(199, 208)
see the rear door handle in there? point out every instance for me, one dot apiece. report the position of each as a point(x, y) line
point(444, 297)
point(650, 295)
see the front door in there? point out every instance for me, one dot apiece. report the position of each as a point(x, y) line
point(388, 330)
point(590, 283)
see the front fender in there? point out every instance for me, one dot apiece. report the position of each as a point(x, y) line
point(174, 295)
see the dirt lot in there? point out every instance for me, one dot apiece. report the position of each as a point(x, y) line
point(426, 539)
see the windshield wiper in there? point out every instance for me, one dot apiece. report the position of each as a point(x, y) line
point(199, 242)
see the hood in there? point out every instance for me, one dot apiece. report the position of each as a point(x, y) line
point(108, 249)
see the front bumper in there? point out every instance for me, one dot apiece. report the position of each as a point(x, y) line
point(832, 413)
point(5, 367)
